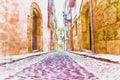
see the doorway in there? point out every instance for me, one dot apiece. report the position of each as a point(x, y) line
point(34, 32)
point(86, 28)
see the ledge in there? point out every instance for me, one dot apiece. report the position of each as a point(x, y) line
point(14, 58)
point(102, 57)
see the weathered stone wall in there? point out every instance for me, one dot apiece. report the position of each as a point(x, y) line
point(79, 33)
point(106, 22)
point(75, 36)
point(13, 25)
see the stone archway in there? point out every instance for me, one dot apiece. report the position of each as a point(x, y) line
point(86, 28)
point(34, 29)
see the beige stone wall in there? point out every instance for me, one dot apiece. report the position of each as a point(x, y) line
point(14, 24)
point(70, 40)
point(75, 38)
point(106, 22)
point(79, 32)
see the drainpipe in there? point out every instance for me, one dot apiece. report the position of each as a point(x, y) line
point(92, 27)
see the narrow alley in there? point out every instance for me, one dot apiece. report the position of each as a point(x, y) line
point(59, 39)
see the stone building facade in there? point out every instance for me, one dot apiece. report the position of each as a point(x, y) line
point(106, 22)
point(100, 19)
point(97, 27)
point(52, 25)
point(20, 21)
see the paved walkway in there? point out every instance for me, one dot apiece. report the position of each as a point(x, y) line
point(104, 70)
point(58, 66)
point(103, 57)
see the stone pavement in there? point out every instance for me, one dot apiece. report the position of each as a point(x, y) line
point(102, 57)
point(104, 70)
point(58, 66)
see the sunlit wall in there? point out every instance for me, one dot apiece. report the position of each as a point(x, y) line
point(13, 25)
point(106, 21)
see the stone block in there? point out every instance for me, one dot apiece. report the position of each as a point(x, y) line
point(110, 33)
point(110, 47)
point(114, 1)
point(100, 47)
point(76, 45)
point(117, 37)
point(113, 47)
point(118, 12)
point(117, 46)
point(110, 14)
point(99, 35)
point(116, 28)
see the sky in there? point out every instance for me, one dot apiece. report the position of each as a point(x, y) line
point(59, 7)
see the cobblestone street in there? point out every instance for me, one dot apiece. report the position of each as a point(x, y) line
point(60, 65)
point(56, 67)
